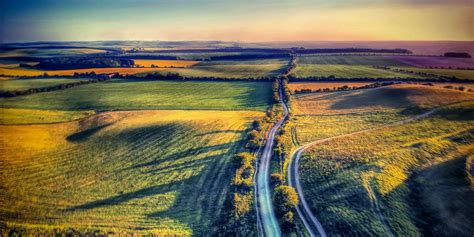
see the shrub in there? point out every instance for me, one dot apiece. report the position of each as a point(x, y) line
point(285, 198)
point(243, 159)
point(276, 179)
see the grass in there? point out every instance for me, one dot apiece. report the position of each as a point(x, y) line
point(401, 97)
point(234, 69)
point(23, 84)
point(164, 63)
point(461, 74)
point(376, 167)
point(345, 71)
point(349, 60)
point(31, 116)
point(344, 179)
point(133, 95)
point(131, 172)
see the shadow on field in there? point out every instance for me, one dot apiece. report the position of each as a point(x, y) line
point(183, 154)
point(441, 199)
point(83, 135)
point(116, 200)
point(386, 97)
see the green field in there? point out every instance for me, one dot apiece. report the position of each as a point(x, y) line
point(349, 60)
point(345, 71)
point(234, 69)
point(461, 74)
point(345, 179)
point(132, 95)
point(23, 84)
point(136, 172)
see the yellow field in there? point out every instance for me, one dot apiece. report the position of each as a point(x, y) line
point(135, 172)
point(34, 116)
point(165, 63)
point(32, 72)
point(390, 97)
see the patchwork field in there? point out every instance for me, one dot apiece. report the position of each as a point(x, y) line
point(23, 84)
point(164, 63)
point(443, 62)
point(234, 69)
point(129, 94)
point(365, 184)
point(461, 74)
point(345, 71)
point(321, 85)
point(349, 60)
point(48, 52)
point(33, 72)
point(404, 97)
point(140, 172)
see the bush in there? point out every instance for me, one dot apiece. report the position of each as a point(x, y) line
point(285, 198)
point(243, 159)
point(276, 179)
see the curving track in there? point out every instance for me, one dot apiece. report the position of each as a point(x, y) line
point(312, 224)
point(267, 221)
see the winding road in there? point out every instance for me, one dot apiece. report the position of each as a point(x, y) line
point(267, 221)
point(312, 224)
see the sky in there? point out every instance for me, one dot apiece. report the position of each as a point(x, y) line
point(236, 20)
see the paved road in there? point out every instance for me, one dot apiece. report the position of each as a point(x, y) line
point(310, 221)
point(268, 223)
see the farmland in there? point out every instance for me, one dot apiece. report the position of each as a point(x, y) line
point(140, 172)
point(164, 63)
point(321, 85)
point(439, 62)
point(349, 60)
point(344, 71)
point(364, 184)
point(135, 94)
point(23, 84)
point(459, 73)
point(234, 69)
point(33, 72)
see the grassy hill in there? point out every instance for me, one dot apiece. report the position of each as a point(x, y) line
point(161, 172)
point(132, 95)
point(374, 183)
point(23, 84)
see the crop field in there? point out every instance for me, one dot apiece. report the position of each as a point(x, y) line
point(131, 172)
point(321, 85)
point(461, 74)
point(164, 63)
point(31, 116)
point(406, 97)
point(33, 72)
point(345, 71)
point(48, 52)
point(349, 60)
point(130, 94)
point(234, 69)
point(23, 84)
point(427, 62)
point(364, 184)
